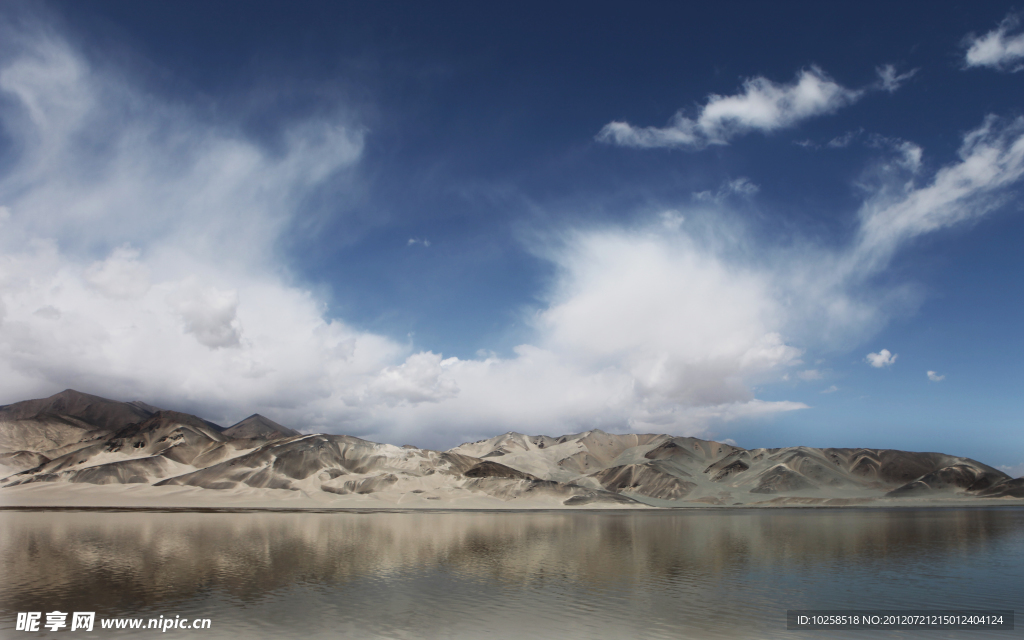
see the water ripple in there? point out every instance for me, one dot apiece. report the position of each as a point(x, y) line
point(587, 575)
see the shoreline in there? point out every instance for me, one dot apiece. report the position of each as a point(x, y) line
point(140, 497)
point(369, 510)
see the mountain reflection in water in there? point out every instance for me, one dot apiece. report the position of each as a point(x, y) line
point(665, 574)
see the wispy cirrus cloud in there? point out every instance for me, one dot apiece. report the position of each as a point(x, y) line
point(843, 141)
point(761, 105)
point(741, 187)
point(991, 160)
point(997, 49)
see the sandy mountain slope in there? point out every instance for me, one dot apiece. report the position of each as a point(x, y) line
point(1011, 489)
point(35, 431)
point(344, 465)
point(660, 468)
point(167, 443)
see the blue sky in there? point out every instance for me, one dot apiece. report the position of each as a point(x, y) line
point(434, 223)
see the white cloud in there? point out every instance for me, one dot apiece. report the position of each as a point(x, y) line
point(762, 105)
point(1015, 471)
point(741, 187)
point(422, 241)
point(831, 389)
point(997, 48)
point(49, 312)
point(843, 141)
point(935, 377)
point(648, 328)
point(686, 324)
point(421, 378)
point(189, 305)
point(991, 159)
point(208, 313)
point(672, 219)
point(667, 327)
point(889, 80)
point(148, 237)
point(883, 358)
point(121, 275)
point(809, 374)
point(910, 156)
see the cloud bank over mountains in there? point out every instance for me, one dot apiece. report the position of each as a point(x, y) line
point(140, 257)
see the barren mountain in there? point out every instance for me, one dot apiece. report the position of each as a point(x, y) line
point(259, 427)
point(77, 439)
point(35, 431)
point(167, 443)
point(659, 468)
point(344, 465)
point(97, 412)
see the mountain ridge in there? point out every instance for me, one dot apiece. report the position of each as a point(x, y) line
point(77, 440)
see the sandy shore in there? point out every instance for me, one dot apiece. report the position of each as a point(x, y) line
point(45, 495)
point(142, 496)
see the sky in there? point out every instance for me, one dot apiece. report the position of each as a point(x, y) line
point(773, 225)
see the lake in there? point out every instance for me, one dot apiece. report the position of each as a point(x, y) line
point(702, 573)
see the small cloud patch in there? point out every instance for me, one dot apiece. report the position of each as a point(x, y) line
point(671, 219)
point(889, 80)
point(1015, 471)
point(935, 377)
point(49, 312)
point(997, 48)
point(209, 314)
point(883, 358)
point(121, 275)
point(741, 187)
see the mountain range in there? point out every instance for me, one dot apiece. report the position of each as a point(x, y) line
point(76, 449)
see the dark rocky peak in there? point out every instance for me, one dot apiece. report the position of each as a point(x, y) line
point(94, 411)
point(259, 427)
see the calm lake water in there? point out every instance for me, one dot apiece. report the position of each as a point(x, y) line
point(664, 574)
